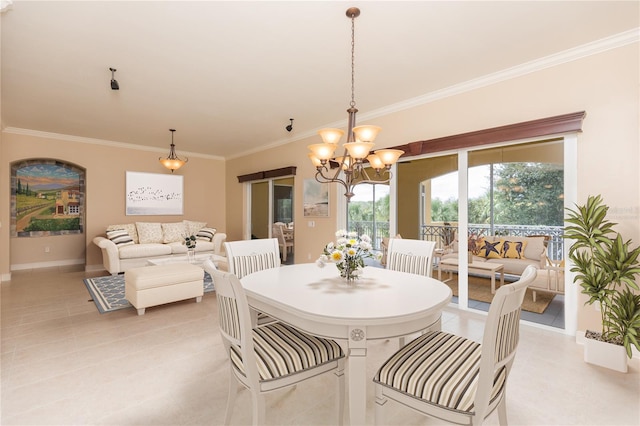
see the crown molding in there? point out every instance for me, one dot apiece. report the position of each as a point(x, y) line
point(608, 43)
point(103, 142)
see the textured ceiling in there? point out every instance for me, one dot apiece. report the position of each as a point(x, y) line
point(229, 75)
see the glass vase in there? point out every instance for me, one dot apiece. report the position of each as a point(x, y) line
point(349, 273)
point(191, 255)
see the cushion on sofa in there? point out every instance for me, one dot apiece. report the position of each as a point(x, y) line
point(513, 249)
point(120, 237)
point(129, 227)
point(194, 226)
point(149, 232)
point(491, 249)
point(136, 251)
point(173, 232)
point(515, 266)
point(206, 234)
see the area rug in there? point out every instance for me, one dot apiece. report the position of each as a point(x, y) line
point(480, 289)
point(108, 292)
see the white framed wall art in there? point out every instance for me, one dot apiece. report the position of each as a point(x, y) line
point(154, 194)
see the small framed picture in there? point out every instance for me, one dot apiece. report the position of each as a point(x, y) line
point(315, 198)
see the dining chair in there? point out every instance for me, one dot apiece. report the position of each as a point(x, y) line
point(413, 256)
point(271, 357)
point(452, 378)
point(384, 245)
point(248, 256)
point(284, 244)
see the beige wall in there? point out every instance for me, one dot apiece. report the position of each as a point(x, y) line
point(603, 85)
point(105, 202)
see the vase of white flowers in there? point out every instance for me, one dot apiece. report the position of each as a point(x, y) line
point(348, 253)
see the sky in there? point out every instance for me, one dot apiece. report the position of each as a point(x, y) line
point(442, 187)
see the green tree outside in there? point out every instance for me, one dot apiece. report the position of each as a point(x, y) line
point(524, 194)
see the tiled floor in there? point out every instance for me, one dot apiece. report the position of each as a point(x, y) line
point(63, 363)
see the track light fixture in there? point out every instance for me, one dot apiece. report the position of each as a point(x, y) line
point(290, 126)
point(172, 162)
point(114, 83)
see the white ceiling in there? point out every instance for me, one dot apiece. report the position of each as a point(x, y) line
point(228, 75)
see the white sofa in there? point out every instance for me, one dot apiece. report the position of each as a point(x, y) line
point(126, 246)
point(534, 253)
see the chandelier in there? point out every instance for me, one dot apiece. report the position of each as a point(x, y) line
point(172, 162)
point(358, 147)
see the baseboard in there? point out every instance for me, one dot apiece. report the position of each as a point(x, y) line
point(94, 268)
point(580, 340)
point(52, 264)
point(5, 277)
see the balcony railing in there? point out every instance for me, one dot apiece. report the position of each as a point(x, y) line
point(376, 230)
point(555, 245)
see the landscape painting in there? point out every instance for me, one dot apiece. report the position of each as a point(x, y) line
point(48, 198)
point(315, 198)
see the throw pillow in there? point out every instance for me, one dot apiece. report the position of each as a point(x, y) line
point(129, 227)
point(513, 249)
point(193, 227)
point(120, 237)
point(149, 232)
point(492, 250)
point(173, 232)
point(206, 234)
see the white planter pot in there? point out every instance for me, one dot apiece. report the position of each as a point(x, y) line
point(605, 354)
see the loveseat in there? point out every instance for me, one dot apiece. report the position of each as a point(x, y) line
point(514, 252)
point(131, 245)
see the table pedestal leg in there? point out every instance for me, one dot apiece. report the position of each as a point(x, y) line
point(357, 375)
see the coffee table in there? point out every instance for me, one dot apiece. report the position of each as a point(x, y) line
point(199, 260)
point(483, 268)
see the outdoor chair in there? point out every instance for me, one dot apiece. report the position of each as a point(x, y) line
point(271, 357)
point(452, 378)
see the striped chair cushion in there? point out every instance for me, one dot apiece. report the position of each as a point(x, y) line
point(245, 265)
point(228, 316)
point(282, 350)
point(508, 334)
point(405, 262)
point(440, 369)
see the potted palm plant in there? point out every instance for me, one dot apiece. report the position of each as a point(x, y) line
point(606, 267)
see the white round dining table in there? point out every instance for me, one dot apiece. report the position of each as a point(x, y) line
point(382, 304)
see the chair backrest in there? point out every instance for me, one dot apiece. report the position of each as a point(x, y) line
point(413, 256)
point(278, 233)
point(501, 335)
point(248, 256)
point(235, 324)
